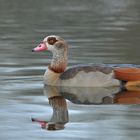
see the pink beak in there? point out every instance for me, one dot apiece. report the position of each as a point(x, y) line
point(41, 47)
point(42, 123)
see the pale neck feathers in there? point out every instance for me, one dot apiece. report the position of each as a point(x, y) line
point(59, 61)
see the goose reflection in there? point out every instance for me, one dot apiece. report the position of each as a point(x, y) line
point(94, 95)
point(129, 96)
point(57, 99)
point(112, 95)
point(60, 113)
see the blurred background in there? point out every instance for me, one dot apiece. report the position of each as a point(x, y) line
point(97, 31)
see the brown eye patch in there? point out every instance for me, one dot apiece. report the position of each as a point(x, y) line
point(51, 40)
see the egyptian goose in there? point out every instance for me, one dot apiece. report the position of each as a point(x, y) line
point(57, 73)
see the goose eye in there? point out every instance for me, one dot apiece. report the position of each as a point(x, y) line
point(52, 40)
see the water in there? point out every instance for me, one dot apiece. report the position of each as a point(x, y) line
point(97, 32)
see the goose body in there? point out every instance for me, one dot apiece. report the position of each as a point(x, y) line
point(58, 74)
point(82, 76)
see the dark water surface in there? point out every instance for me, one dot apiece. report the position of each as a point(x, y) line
point(98, 31)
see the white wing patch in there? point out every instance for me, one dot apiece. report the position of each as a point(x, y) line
point(91, 79)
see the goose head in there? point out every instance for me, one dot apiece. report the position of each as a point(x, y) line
point(58, 47)
point(52, 43)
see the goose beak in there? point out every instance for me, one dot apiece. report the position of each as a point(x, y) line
point(41, 47)
point(42, 123)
